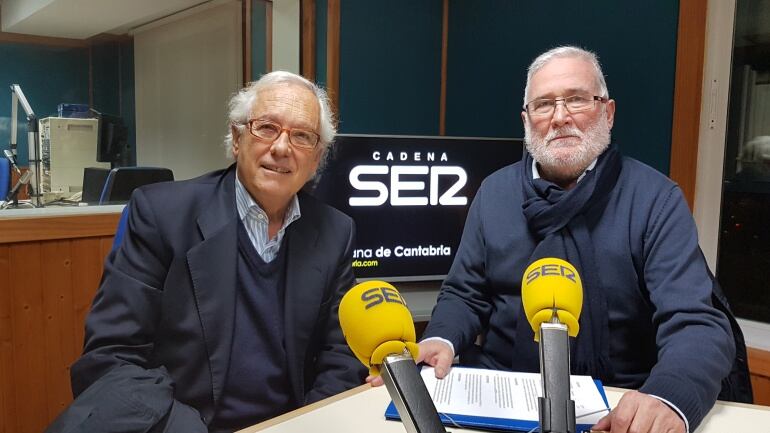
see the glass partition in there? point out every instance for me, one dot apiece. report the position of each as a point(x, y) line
point(152, 93)
point(743, 265)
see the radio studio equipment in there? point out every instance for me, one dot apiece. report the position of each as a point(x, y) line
point(379, 329)
point(552, 297)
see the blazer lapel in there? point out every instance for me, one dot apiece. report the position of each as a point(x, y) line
point(213, 271)
point(304, 292)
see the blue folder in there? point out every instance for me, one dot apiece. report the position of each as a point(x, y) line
point(494, 424)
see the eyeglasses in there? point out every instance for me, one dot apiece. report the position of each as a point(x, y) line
point(270, 131)
point(573, 104)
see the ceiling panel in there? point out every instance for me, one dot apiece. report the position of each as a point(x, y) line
point(81, 19)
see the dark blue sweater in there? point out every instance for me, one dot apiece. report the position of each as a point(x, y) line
point(257, 386)
point(666, 338)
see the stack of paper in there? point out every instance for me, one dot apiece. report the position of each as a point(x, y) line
point(503, 400)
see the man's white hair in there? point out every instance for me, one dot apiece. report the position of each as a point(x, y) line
point(245, 99)
point(567, 52)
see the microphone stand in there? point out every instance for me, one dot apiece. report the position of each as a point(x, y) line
point(411, 398)
point(35, 159)
point(556, 409)
point(12, 197)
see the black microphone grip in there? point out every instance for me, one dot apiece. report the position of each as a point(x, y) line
point(557, 409)
point(410, 396)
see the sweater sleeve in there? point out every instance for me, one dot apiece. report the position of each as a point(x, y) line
point(463, 307)
point(694, 340)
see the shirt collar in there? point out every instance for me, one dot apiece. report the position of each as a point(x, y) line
point(247, 207)
point(536, 173)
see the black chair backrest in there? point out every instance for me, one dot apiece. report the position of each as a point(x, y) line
point(122, 181)
point(94, 179)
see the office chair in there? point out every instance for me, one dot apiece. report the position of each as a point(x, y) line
point(5, 178)
point(121, 230)
point(94, 179)
point(122, 181)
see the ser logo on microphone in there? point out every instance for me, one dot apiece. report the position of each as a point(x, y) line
point(378, 295)
point(551, 270)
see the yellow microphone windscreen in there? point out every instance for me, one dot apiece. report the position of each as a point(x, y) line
point(552, 285)
point(376, 322)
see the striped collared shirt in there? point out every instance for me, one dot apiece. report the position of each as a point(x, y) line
point(256, 222)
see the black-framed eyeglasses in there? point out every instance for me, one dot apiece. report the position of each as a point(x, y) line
point(573, 104)
point(270, 131)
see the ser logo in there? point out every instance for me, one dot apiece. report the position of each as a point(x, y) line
point(378, 295)
point(551, 270)
point(392, 181)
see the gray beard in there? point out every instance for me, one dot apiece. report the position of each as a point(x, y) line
point(593, 142)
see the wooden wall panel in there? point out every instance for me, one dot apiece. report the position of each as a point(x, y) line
point(57, 227)
point(19, 38)
point(691, 40)
point(57, 311)
point(759, 366)
point(307, 46)
point(246, 40)
point(7, 404)
point(42, 313)
point(333, 53)
point(86, 274)
point(28, 336)
point(761, 388)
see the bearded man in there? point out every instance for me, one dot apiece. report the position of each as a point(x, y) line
point(648, 320)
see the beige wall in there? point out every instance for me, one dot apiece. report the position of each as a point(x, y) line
point(185, 72)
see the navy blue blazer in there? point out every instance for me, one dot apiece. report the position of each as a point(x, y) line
point(162, 321)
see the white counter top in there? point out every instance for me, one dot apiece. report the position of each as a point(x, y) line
point(52, 211)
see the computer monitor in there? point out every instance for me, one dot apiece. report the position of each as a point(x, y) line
point(112, 138)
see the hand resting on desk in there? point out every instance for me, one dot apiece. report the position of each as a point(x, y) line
point(640, 413)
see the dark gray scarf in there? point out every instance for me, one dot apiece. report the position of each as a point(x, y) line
point(557, 219)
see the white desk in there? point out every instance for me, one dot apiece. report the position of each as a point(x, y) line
point(57, 211)
point(361, 409)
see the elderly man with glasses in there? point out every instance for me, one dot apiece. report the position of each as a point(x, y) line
point(219, 310)
point(648, 320)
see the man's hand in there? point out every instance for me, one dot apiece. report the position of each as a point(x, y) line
point(640, 413)
point(435, 353)
point(438, 355)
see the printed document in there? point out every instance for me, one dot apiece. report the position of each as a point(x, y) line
point(503, 394)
